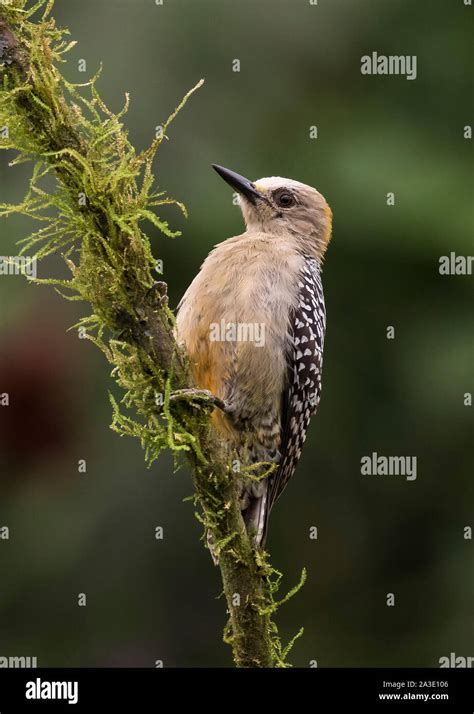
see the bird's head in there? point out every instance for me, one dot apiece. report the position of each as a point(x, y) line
point(283, 207)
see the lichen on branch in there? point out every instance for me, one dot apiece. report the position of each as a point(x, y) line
point(104, 191)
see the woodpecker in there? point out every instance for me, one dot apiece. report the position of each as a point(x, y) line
point(266, 281)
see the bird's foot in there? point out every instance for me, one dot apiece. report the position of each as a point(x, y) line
point(200, 395)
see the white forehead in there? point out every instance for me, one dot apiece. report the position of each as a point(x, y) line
point(271, 183)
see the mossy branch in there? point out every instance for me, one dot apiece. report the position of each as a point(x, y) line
point(104, 191)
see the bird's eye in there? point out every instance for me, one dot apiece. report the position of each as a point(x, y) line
point(284, 198)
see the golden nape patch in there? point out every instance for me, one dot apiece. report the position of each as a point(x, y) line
point(328, 233)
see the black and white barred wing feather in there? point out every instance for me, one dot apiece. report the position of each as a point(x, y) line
point(303, 390)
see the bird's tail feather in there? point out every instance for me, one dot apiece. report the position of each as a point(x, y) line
point(255, 516)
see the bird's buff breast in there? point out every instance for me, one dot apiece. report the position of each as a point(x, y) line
point(233, 321)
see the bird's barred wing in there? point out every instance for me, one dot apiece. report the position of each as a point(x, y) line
point(303, 387)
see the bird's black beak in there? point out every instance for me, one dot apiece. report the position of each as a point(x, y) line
point(240, 184)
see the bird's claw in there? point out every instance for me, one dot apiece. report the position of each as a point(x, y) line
point(203, 395)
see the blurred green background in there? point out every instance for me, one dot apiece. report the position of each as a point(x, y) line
point(94, 533)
